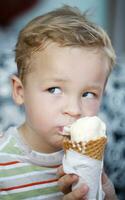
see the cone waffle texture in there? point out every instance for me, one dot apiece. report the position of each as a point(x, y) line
point(93, 148)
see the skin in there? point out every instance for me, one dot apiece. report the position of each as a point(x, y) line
point(65, 83)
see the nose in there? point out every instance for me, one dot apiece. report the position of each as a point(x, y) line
point(72, 108)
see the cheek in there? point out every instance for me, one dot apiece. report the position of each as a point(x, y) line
point(92, 108)
point(40, 113)
point(95, 109)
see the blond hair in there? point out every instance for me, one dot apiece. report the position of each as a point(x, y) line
point(66, 26)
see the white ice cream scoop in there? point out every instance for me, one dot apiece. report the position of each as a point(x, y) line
point(86, 128)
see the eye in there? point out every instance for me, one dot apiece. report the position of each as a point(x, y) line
point(89, 95)
point(54, 90)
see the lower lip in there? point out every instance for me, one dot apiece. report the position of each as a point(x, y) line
point(60, 129)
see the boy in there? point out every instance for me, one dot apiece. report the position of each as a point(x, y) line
point(63, 63)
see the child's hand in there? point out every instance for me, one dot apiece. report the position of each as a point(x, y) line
point(65, 182)
point(108, 188)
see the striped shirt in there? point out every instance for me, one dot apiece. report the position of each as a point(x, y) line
point(26, 174)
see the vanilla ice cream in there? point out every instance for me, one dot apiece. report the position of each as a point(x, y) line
point(86, 129)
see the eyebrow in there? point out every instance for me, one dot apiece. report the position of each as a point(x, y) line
point(54, 79)
point(93, 87)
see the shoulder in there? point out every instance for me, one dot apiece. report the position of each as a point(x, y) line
point(5, 136)
point(8, 149)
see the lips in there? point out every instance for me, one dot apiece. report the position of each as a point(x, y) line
point(61, 129)
point(64, 130)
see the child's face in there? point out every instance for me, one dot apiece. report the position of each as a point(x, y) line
point(66, 84)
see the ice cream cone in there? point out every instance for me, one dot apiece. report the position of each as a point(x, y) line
point(92, 148)
point(84, 143)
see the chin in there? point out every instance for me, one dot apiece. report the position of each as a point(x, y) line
point(58, 145)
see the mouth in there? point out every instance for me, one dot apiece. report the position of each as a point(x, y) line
point(64, 130)
point(60, 129)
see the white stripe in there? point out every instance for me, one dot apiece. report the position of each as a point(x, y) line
point(27, 175)
point(15, 156)
point(5, 142)
point(34, 187)
point(17, 165)
point(46, 196)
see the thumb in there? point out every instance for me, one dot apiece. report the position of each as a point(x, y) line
point(108, 188)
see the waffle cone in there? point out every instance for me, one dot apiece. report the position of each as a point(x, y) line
point(93, 148)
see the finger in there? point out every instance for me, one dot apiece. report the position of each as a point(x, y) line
point(60, 171)
point(77, 194)
point(104, 177)
point(66, 181)
point(108, 188)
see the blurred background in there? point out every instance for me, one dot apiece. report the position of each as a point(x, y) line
point(110, 14)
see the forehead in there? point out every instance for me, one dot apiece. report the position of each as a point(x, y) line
point(63, 62)
point(68, 64)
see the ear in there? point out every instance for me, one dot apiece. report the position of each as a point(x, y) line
point(17, 90)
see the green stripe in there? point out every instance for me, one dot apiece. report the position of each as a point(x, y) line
point(11, 148)
point(32, 193)
point(21, 170)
